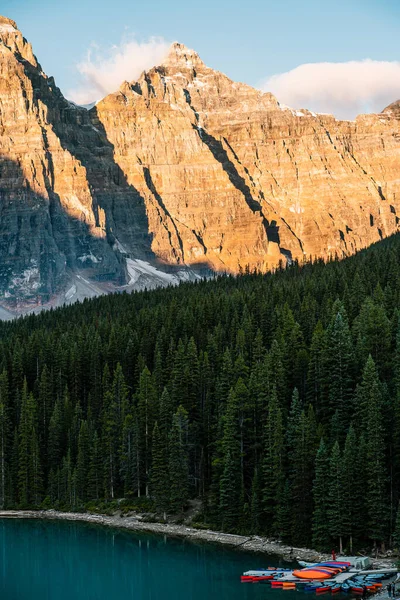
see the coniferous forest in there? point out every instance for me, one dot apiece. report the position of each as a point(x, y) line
point(273, 400)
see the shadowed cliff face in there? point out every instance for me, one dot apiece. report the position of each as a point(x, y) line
point(244, 181)
point(182, 168)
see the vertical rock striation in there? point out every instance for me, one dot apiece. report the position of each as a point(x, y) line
point(182, 168)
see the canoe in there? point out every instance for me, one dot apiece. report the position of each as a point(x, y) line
point(336, 588)
point(313, 573)
point(326, 570)
point(255, 578)
point(313, 586)
point(259, 573)
point(322, 590)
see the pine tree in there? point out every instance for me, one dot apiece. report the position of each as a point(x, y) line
point(396, 535)
point(159, 473)
point(110, 434)
point(366, 393)
point(178, 461)
point(120, 393)
point(147, 409)
point(56, 442)
point(320, 537)
point(317, 371)
point(95, 475)
point(340, 359)
point(29, 466)
point(372, 331)
point(5, 437)
point(273, 468)
point(375, 458)
point(353, 489)
point(335, 489)
point(231, 473)
point(82, 463)
point(284, 518)
point(302, 475)
point(256, 504)
point(131, 458)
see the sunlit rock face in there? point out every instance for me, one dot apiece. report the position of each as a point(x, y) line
point(182, 169)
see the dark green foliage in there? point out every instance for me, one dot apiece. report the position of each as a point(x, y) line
point(219, 391)
point(321, 534)
point(396, 536)
point(335, 496)
point(159, 488)
point(353, 489)
point(178, 468)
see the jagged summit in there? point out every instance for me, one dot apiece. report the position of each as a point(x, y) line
point(393, 109)
point(181, 56)
point(7, 25)
point(12, 39)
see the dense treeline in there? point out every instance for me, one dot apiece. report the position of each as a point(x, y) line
point(274, 399)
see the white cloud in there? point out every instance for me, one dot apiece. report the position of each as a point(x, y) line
point(343, 89)
point(104, 69)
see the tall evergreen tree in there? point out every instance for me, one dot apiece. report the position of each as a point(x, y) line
point(335, 493)
point(5, 437)
point(273, 463)
point(231, 478)
point(159, 474)
point(321, 530)
point(178, 461)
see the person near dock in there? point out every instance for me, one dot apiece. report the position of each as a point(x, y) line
point(333, 555)
point(364, 592)
point(389, 590)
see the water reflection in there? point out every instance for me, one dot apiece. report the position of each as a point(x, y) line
point(75, 561)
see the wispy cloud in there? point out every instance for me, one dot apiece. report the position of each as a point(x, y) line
point(104, 69)
point(343, 89)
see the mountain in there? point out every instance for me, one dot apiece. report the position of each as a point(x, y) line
point(178, 174)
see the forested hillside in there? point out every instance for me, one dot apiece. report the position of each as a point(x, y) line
point(275, 399)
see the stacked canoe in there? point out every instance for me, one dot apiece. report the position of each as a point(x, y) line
point(325, 570)
point(319, 578)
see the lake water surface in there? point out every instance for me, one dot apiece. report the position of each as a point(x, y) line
point(56, 560)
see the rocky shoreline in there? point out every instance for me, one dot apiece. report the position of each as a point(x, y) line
point(136, 523)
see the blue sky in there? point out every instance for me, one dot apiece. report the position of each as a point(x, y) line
point(249, 40)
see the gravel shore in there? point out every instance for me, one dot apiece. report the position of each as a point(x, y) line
point(135, 523)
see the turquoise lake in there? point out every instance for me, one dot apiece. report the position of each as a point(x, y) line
point(56, 560)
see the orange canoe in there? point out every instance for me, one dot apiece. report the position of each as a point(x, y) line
point(312, 574)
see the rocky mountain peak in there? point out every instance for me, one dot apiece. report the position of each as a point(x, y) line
point(179, 56)
point(12, 39)
point(393, 109)
point(7, 25)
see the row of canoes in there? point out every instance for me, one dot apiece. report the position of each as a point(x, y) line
point(317, 587)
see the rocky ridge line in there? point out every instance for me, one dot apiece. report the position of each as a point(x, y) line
point(183, 170)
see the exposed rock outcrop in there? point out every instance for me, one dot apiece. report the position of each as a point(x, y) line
point(182, 168)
